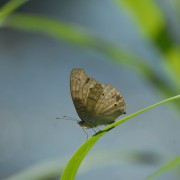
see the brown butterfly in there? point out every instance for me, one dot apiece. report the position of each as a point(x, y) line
point(96, 103)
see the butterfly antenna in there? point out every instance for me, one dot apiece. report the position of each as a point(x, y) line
point(72, 119)
point(67, 118)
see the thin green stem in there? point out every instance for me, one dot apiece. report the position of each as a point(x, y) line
point(165, 168)
point(70, 171)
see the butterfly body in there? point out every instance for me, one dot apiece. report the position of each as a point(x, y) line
point(96, 103)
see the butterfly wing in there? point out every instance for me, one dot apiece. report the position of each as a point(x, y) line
point(109, 105)
point(80, 86)
point(95, 103)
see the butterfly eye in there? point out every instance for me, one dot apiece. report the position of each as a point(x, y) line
point(115, 104)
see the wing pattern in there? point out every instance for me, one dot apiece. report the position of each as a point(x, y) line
point(96, 103)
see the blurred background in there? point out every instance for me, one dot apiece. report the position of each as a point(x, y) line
point(131, 45)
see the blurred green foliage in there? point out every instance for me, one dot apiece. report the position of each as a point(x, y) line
point(152, 24)
point(165, 168)
point(81, 37)
point(147, 14)
point(10, 7)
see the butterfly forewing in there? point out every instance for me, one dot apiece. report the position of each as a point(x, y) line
point(78, 80)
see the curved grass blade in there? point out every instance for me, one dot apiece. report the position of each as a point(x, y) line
point(9, 8)
point(79, 36)
point(165, 168)
point(150, 18)
point(75, 161)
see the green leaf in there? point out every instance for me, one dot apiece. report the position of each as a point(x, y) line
point(148, 15)
point(151, 21)
point(79, 36)
point(10, 7)
point(173, 64)
point(75, 161)
point(165, 168)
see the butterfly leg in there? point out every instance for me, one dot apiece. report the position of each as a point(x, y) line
point(98, 129)
point(94, 130)
point(85, 133)
point(92, 127)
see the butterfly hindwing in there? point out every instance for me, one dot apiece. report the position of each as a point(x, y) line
point(109, 106)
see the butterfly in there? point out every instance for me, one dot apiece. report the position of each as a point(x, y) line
point(96, 103)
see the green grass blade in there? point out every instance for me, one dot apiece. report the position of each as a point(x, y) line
point(165, 168)
point(74, 163)
point(75, 35)
point(149, 16)
point(10, 7)
point(79, 36)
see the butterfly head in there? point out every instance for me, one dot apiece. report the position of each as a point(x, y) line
point(84, 124)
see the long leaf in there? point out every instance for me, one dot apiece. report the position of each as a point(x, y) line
point(74, 163)
point(9, 8)
point(165, 168)
point(79, 36)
